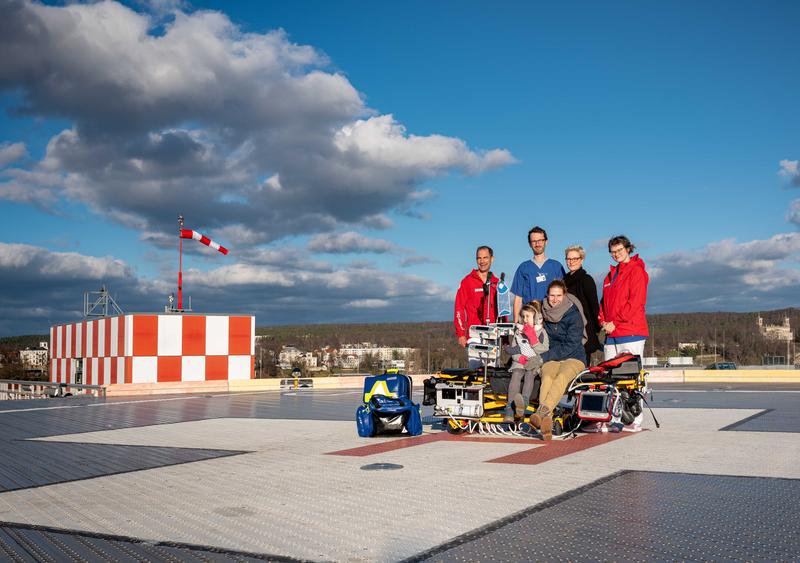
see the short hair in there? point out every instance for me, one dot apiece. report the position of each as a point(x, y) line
point(557, 283)
point(484, 247)
point(575, 248)
point(534, 307)
point(623, 240)
point(537, 229)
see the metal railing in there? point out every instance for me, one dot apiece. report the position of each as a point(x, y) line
point(12, 389)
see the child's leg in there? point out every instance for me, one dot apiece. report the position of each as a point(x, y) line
point(520, 403)
point(527, 384)
point(515, 384)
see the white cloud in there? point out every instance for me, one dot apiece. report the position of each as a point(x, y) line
point(416, 260)
point(244, 274)
point(11, 152)
point(794, 212)
point(727, 275)
point(349, 242)
point(227, 127)
point(379, 222)
point(384, 142)
point(277, 285)
point(250, 136)
point(368, 303)
point(790, 169)
point(27, 261)
point(34, 278)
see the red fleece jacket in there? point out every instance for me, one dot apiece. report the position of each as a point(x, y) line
point(469, 307)
point(624, 298)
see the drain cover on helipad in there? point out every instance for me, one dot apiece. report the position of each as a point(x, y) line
point(381, 466)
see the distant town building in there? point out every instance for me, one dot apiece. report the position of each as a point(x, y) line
point(775, 332)
point(349, 361)
point(329, 356)
point(34, 358)
point(349, 356)
point(687, 346)
point(290, 356)
point(310, 360)
point(380, 353)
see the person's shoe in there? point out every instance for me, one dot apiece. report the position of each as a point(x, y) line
point(536, 418)
point(508, 416)
point(547, 427)
point(632, 428)
point(520, 404)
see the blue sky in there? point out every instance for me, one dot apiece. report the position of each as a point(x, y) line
point(396, 137)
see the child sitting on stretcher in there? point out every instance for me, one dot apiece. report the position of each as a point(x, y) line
point(530, 340)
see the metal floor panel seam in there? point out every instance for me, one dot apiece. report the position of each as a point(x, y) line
point(502, 522)
point(15, 527)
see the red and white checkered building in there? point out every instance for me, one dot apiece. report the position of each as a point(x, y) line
point(153, 348)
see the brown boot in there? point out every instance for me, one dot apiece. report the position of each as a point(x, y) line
point(537, 417)
point(547, 427)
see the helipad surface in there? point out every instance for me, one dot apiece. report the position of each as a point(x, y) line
point(284, 476)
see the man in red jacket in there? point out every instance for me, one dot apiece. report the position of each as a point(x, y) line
point(622, 309)
point(473, 294)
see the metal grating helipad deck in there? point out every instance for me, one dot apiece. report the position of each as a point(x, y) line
point(645, 516)
point(240, 477)
point(34, 544)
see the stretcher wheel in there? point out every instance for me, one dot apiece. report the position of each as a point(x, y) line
point(558, 428)
point(456, 427)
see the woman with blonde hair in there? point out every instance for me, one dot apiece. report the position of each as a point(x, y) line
point(581, 285)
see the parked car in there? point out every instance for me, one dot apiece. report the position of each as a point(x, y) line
point(721, 365)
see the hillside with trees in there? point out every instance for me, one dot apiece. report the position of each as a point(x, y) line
point(734, 335)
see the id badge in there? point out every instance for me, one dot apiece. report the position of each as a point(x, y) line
point(541, 278)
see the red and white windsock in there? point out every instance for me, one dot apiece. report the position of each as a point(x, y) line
point(188, 233)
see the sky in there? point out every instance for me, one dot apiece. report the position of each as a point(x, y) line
point(352, 155)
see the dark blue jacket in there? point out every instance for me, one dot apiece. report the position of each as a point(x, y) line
point(565, 337)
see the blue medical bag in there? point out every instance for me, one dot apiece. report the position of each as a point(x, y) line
point(387, 407)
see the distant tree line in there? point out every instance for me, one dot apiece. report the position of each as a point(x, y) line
point(735, 334)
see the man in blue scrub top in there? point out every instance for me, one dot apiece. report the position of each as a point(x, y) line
point(534, 275)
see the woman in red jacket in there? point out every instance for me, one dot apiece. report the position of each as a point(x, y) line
point(622, 313)
point(622, 310)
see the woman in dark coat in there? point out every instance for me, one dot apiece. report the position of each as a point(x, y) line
point(563, 322)
point(581, 285)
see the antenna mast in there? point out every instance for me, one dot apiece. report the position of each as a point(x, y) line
point(99, 303)
point(180, 263)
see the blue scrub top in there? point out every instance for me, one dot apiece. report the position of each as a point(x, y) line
point(531, 281)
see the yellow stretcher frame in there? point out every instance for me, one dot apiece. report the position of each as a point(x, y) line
point(495, 404)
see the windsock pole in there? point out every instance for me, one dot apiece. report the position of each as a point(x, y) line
point(180, 263)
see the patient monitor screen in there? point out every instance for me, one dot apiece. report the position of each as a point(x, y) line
point(594, 402)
